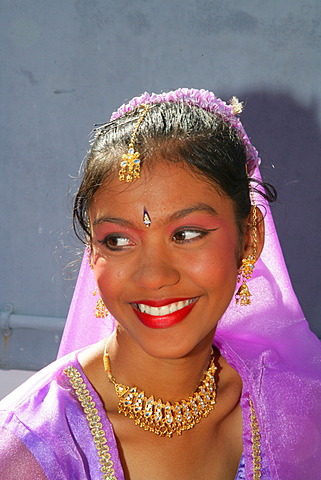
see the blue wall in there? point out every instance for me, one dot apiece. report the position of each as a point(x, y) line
point(67, 65)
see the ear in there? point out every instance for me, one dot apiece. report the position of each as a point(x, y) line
point(253, 235)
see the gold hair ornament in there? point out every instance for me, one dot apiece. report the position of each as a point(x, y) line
point(164, 418)
point(130, 164)
point(236, 105)
point(243, 295)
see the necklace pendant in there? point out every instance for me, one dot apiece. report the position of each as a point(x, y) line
point(138, 405)
point(127, 400)
point(121, 389)
point(166, 419)
point(194, 407)
point(148, 410)
point(168, 414)
point(177, 414)
point(158, 411)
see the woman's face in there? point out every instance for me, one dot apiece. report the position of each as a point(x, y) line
point(167, 284)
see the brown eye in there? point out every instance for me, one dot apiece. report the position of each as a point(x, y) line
point(111, 242)
point(179, 236)
point(116, 242)
point(185, 236)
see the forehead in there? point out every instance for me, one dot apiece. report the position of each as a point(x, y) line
point(162, 189)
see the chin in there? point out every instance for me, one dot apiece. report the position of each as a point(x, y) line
point(170, 347)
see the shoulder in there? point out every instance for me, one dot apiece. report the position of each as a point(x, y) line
point(45, 392)
point(33, 421)
point(46, 418)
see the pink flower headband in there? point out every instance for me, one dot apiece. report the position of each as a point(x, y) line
point(209, 102)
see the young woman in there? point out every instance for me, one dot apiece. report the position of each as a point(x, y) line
point(200, 362)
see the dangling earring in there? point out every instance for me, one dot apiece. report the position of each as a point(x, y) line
point(100, 308)
point(243, 295)
point(88, 251)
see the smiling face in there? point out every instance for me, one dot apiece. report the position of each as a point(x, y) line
point(167, 283)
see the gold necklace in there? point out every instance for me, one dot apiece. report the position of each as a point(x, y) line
point(161, 418)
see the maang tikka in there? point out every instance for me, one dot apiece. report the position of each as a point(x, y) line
point(100, 308)
point(130, 164)
point(243, 295)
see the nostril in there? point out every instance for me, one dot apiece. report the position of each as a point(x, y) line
point(155, 275)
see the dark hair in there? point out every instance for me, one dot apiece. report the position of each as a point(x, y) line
point(176, 132)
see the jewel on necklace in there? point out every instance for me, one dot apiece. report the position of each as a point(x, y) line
point(164, 418)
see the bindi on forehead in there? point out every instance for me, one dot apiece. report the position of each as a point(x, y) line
point(147, 220)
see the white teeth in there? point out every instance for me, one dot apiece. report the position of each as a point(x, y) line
point(172, 307)
point(165, 309)
point(180, 305)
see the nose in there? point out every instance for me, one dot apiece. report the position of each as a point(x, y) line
point(157, 269)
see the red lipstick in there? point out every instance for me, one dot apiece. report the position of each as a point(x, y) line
point(162, 302)
point(163, 321)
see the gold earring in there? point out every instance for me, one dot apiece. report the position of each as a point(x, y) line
point(243, 295)
point(88, 251)
point(100, 308)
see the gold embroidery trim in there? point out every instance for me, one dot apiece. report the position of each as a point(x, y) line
point(94, 422)
point(99, 435)
point(256, 444)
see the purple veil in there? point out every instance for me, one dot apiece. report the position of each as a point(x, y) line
point(268, 342)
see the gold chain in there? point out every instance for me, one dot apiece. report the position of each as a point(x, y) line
point(130, 164)
point(165, 418)
point(254, 225)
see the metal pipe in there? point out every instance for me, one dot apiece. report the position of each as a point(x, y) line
point(9, 321)
point(48, 324)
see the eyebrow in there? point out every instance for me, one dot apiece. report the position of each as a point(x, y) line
point(120, 221)
point(199, 207)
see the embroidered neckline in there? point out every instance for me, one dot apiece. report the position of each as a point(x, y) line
point(99, 436)
point(94, 422)
point(256, 443)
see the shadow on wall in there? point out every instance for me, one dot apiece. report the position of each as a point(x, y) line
point(288, 137)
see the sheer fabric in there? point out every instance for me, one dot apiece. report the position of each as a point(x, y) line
point(45, 434)
point(269, 344)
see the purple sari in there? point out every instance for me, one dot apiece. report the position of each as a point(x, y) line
point(269, 343)
point(45, 433)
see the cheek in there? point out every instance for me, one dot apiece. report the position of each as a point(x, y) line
point(215, 263)
point(218, 273)
point(111, 277)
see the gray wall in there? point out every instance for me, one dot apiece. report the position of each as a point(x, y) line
point(68, 64)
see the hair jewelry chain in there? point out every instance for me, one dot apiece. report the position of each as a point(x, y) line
point(243, 295)
point(130, 164)
point(164, 418)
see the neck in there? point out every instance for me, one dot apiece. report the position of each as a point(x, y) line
point(170, 379)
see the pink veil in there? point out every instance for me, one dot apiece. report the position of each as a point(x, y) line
point(268, 342)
